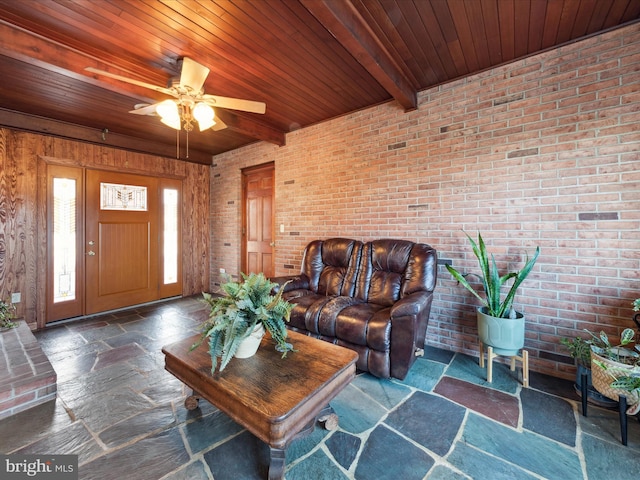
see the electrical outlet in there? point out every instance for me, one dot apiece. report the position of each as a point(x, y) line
point(222, 270)
point(16, 297)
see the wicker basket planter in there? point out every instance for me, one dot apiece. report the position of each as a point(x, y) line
point(604, 371)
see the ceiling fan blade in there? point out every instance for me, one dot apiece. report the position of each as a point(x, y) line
point(235, 103)
point(193, 74)
point(166, 91)
point(145, 109)
point(220, 125)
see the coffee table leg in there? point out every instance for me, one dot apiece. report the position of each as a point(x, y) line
point(276, 463)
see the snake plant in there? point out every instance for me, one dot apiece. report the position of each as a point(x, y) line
point(492, 282)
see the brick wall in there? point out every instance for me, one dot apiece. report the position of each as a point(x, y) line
point(544, 151)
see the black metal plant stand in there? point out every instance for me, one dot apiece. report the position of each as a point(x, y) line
point(622, 409)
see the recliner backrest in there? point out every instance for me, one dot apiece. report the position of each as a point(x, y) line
point(332, 265)
point(391, 269)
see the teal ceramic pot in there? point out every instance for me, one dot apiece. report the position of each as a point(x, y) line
point(505, 335)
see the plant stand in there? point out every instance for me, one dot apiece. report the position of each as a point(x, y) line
point(622, 410)
point(523, 357)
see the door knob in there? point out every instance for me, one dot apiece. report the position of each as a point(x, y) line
point(91, 253)
point(272, 244)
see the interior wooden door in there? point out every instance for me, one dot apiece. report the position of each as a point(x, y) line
point(121, 241)
point(258, 220)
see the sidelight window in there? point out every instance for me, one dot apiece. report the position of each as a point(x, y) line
point(64, 240)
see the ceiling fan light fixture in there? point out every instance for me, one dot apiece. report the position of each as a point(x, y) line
point(169, 114)
point(204, 114)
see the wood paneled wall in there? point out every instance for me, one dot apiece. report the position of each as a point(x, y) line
point(22, 241)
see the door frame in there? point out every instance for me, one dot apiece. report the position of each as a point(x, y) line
point(42, 242)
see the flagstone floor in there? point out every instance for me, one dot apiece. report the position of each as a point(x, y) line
point(123, 415)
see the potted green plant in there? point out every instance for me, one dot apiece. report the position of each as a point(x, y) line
point(7, 315)
point(499, 324)
point(580, 350)
point(246, 309)
point(615, 368)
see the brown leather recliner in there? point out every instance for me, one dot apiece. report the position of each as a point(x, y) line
point(372, 297)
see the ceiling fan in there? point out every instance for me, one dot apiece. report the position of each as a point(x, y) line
point(190, 103)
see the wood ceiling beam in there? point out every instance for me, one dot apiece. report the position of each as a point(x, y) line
point(45, 126)
point(35, 50)
point(346, 24)
point(250, 128)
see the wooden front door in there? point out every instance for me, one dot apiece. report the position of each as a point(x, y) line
point(121, 242)
point(258, 220)
point(113, 240)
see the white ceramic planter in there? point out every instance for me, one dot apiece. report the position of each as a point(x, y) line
point(249, 346)
point(505, 335)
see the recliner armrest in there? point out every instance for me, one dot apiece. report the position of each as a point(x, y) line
point(411, 305)
point(293, 282)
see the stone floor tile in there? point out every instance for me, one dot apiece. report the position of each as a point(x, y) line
point(100, 332)
point(429, 420)
point(59, 340)
point(156, 327)
point(73, 367)
point(438, 354)
point(442, 472)
point(31, 425)
point(243, 457)
point(306, 443)
point(605, 424)
point(137, 426)
point(424, 374)
point(95, 384)
point(100, 412)
point(356, 415)
point(387, 456)
point(192, 471)
point(67, 441)
point(492, 403)
point(548, 415)
point(210, 430)
point(149, 459)
point(482, 466)
point(610, 460)
point(466, 368)
point(165, 390)
point(123, 317)
point(151, 366)
point(386, 392)
point(553, 385)
point(128, 338)
point(344, 448)
point(117, 355)
point(525, 449)
point(316, 466)
point(89, 323)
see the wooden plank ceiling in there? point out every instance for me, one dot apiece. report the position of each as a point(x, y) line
point(308, 60)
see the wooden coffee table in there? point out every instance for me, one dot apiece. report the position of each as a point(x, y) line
point(275, 398)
